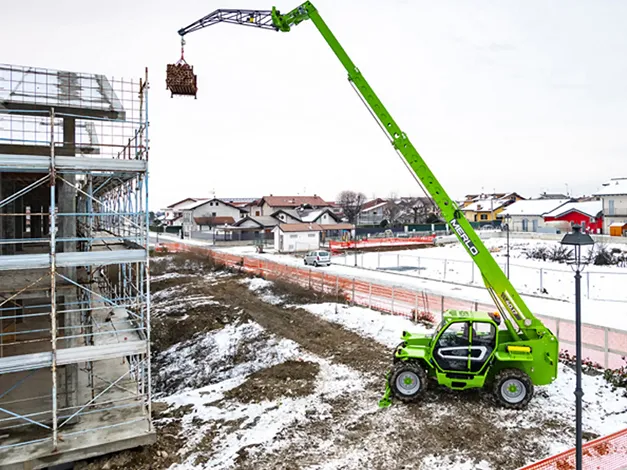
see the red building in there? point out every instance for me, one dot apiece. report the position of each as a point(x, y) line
point(588, 214)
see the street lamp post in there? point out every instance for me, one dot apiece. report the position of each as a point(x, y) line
point(508, 220)
point(576, 239)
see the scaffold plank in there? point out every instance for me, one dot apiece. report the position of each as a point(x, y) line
point(67, 356)
point(41, 163)
point(87, 258)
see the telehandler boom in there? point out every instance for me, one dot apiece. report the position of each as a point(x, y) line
point(510, 350)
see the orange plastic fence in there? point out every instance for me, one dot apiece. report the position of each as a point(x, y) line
point(333, 245)
point(605, 453)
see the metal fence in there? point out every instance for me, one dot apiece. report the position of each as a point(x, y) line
point(550, 282)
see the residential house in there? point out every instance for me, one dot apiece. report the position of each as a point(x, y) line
point(614, 197)
point(528, 215)
point(207, 210)
point(173, 214)
point(271, 204)
point(324, 216)
point(488, 210)
point(286, 216)
point(372, 212)
point(254, 207)
point(588, 214)
point(289, 238)
point(337, 209)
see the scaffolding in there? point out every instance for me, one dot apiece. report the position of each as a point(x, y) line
point(74, 266)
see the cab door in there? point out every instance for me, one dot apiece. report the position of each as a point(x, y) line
point(452, 349)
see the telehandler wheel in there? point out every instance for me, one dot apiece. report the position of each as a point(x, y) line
point(513, 388)
point(408, 380)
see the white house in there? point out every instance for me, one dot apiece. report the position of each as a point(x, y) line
point(174, 212)
point(320, 216)
point(528, 215)
point(200, 214)
point(286, 216)
point(372, 212)
point(614, 197)
point(289, 238)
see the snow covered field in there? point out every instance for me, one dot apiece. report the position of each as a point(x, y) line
point(530, 276)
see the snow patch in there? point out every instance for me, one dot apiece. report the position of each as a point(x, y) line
point(255, 424)
point(385, 329)
point(219, 355)
point(262, 288)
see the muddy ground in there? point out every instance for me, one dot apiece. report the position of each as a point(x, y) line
point(467, 425)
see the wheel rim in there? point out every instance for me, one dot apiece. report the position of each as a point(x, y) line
point(513, 391)
point(407, 383)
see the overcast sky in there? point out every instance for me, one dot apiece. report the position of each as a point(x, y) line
point(523, 96)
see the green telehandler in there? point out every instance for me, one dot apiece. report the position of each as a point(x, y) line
point(509, 350)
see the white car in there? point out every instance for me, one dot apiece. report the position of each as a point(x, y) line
point(318, 258)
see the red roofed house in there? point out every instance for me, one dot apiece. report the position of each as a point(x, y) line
point(270, 204)
point(588, 214)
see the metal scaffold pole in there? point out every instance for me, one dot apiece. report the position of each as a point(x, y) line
point(53, 283)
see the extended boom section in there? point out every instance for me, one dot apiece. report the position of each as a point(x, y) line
point(468, 349)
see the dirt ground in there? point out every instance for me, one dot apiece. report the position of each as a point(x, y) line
point(444, 423)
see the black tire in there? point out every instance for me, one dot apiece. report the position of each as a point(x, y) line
point(316, 264)
point(305, 261)
point(406, 371)
point(518, 396)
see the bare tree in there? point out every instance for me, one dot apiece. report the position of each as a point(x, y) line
point(351, 203)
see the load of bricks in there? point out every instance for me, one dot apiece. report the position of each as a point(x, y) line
point(180, 79)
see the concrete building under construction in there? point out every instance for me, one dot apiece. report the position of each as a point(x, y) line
point(74, 280)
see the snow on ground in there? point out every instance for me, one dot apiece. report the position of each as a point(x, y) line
point(261, 423)
point(244, 396)
point(213, 356)
point(604, 407)
point(608, 313)
point(531, 276)
point(385, 329)
point(261, 286)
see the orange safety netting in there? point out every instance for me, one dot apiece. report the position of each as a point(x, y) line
point(369, 243)
point(605, 453)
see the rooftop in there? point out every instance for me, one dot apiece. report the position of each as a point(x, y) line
point(589, 208)
point(485, 205)
point(538, 207)
point(300, 227)
point(614, 187)
point(295, 201)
